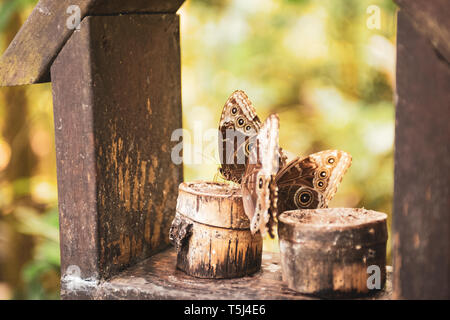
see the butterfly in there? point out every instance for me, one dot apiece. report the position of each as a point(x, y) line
point(238, 125)
point(311, 182)
point(304, 183)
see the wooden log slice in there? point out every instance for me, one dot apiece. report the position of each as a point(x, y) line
point(327, 252)
point(211, 203)
point(211, 232)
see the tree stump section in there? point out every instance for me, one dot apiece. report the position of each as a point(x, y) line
point(211, 232)
point(332, 253)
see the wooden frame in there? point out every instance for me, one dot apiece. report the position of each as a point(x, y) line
point(116, 82)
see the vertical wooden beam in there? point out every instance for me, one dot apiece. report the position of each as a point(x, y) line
point(421, 218)
point(117, 99)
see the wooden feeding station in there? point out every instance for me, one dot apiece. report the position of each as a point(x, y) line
point(117, 98)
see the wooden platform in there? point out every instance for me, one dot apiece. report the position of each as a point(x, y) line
point(157, 278)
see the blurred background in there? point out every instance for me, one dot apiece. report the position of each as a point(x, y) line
point(325, 66)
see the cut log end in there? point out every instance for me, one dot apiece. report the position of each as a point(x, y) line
point(337, 252)
point(211, 232)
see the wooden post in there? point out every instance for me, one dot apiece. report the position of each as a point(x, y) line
point(421, 220)
point(116, 87)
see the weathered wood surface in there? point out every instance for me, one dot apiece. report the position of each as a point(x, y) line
point(29, 56)
point(421, 220)
point(117, 98)
point(216, 204)
point(212, 233)
point(431, 19)
point(158, 278)
point(214, 252)
point(326, 252)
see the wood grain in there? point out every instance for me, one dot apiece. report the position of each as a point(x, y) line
point(216, 204)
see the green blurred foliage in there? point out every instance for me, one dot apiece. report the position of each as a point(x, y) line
point(41, 274)
point(29, 233)
point(9, 7)
point(315, 63)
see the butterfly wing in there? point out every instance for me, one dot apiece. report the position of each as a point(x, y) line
point(238, 123)
point(311, 182)
point(258, 184)
point(249, 192)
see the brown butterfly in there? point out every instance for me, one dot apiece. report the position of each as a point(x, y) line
point(304, 183)
point(238, 125)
